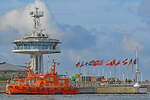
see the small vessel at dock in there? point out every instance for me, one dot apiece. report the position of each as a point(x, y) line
point(33, 83)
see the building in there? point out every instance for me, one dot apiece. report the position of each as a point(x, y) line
point(6, 67)
point(36, 44)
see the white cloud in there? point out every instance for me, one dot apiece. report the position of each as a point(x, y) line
point(21, 21)
point(130, 44)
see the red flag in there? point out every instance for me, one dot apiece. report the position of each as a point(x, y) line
point(118, 63)
point(107, 62)
point(111, 63)
point(82, 65)
point(114, 62)
point(99, 62)
point(78, 64)
point(94, 63)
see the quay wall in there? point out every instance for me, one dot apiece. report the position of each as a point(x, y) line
point(87, 90)
point(148, 89)
point(117, 90)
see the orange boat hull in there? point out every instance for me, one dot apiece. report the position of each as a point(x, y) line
point(49, 83)
point(38, 90)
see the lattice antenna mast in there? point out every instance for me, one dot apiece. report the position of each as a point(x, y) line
point(36, 15)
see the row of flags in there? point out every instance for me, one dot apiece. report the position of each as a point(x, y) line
point(107, 63)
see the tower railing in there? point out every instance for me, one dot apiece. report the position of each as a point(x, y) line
point(22, 48)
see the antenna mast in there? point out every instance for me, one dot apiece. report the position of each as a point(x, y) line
point(36, 15)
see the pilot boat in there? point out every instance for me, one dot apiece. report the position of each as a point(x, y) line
point(49, 83)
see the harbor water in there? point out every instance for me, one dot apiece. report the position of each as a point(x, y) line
point(77, 97)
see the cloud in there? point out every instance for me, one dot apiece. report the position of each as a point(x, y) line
point(16, 19)
point(18, 22)
point(76, 37)
point(130, 45)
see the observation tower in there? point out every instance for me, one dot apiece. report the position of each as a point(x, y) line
point(36, 44)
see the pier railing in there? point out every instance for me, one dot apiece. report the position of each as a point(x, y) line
point(99, 84)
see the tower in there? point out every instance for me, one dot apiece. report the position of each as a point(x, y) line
point(36, 44)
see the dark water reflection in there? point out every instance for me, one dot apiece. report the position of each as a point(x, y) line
point(77, 97)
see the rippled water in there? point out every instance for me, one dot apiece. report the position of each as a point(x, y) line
point(77, 97)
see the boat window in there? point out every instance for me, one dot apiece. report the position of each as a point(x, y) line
point(10, 86)
point(16, 87)
point(59, 81)
point(37, 79)
point(42, 88)
point(51, 79)
point(47, 89)
point(69, 89)
point(47, 78)
point(23, 87)
point(20, 83)
point(62, 81)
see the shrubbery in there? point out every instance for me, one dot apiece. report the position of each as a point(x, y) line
point(6, 76)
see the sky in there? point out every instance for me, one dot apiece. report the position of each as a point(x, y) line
point(88, 30)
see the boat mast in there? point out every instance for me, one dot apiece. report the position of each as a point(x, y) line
point(53, 67)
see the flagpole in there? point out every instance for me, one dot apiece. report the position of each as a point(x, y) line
point(103, 72)
point(137, 69)
point(127, 72)
point(120, 72)
point(137, 65)
point(141, 77)
point(115, 73)
point(132, 72)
